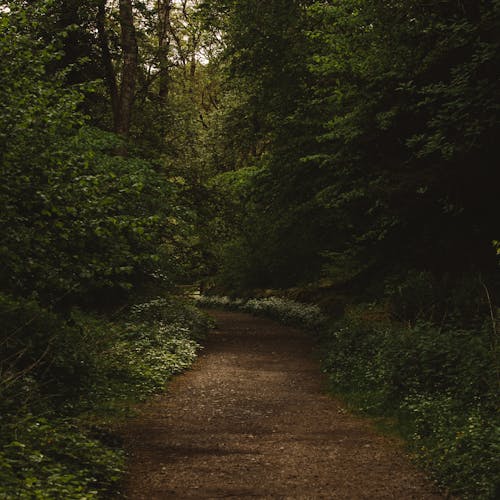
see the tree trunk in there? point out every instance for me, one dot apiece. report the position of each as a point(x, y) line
point(129, 68)
point(107, 61)
point(164, 28)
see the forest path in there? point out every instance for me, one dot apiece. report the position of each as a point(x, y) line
point(251, 419)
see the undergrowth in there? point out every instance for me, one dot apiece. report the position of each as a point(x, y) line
point(437, 380)
point(286, 311)
point(440, 385)
point(63, 383)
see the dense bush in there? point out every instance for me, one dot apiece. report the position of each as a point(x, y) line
point(440, 381)
point(61, 382)
point(217, 301)
point(287, 311)
point(158, 339)
point(459, 444)
point(49, 457)
point(75, 217)
point(111, 227)
point(40, 344)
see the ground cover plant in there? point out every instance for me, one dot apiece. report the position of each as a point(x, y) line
point(59, 409)
point(428, 355)
point(286, 311)
point(440, 384)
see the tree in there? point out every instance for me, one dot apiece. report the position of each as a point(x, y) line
point(76, 219)
point(164, 41)
point(123, 95)
point(366, 117)
point(129, 68)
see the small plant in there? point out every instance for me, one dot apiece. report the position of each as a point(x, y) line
point(459, 445)
point(50, 457)
point(218, 301)
point(286, 311)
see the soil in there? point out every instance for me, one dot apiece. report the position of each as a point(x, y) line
point(252, 420)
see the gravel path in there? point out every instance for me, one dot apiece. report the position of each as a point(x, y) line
point(251, 420)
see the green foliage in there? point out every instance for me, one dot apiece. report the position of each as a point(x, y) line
point(398, 361)
point(449, 299)
point(461, 445)
point(496, 245)
point(286, 311)
point(158, 340)
point(237, 250)
point(116, 224)
point(61, 383)
point(47, 457)
point(175, 311)
point(41, 345)
point(90, 361)
point(441, 381)
point(376, 150)
point(75, 218)
point(403, 88)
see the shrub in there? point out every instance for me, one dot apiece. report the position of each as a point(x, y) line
point(420, 295)
point(75, 218)
point(143, 357)
point(289, 312)
point(222, 302)
point(440, 381)
point(38, 343)
point(459, 444)
point(61, 381)
point(50, 457)
point(173, 310)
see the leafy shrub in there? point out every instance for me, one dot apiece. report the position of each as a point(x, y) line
point(142, 358)
point(459, 444)
point(45, 458)
point(75, 217)
point(413, 296)
point(111, 227)
point(222, 302)
point(441, 381)
point(419, 295)
point(287, 311)
point(136, 355)
point(38, 343)
point(173, 310)
point(354, 359)
point(57, 376)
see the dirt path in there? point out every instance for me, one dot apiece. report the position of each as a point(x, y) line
point(251, 420)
